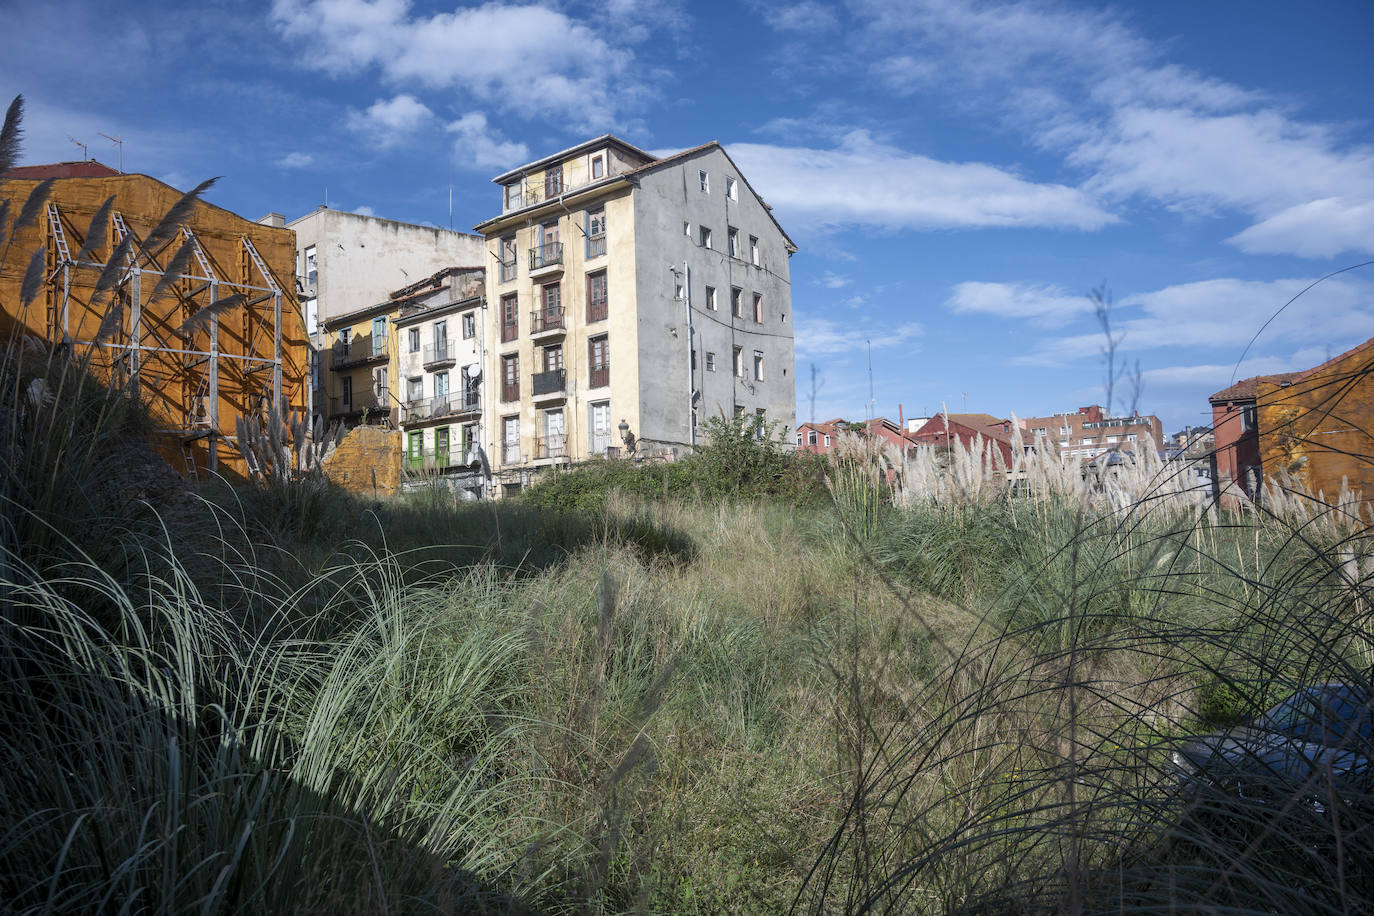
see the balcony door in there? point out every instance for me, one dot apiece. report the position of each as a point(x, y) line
point(555, 441)
point(600, 427)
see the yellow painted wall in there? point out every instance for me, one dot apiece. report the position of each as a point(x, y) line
point(166, 383)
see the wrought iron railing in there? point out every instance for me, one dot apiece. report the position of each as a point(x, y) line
point(551, 382)
point(547, 319)
point(554, 446)
point(549, 254)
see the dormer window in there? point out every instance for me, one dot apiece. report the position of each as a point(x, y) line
point(598, 167)
point(514, 197)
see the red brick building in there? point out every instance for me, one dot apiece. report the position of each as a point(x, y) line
point(821, 438)
point(1089, 432)
point(964, 429)
point(1236, 428)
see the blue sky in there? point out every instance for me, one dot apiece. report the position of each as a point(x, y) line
point(958, 175)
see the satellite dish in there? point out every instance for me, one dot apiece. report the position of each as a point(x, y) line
point(473, 370)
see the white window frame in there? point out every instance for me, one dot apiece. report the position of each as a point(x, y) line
point(731, 189)
point(710, 361)
point(704, 179)
point(711, 298)
point(704, 237)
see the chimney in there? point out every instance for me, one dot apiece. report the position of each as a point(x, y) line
point(275, 220)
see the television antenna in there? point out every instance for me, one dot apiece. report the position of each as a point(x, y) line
point(117, 140)
point(84, 157)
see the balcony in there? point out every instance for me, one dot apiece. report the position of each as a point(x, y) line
point(602, 447)
point(438, 460)
point(554, 446)
point(546, 259)
point(599, 376)
point(359, 351)
point(596, 245)
point(547, 322)
point(440, 355)
point(510, 453)
point(358, 403)
point(506, 269)
point(550, 386)
point(597, 310)
point(418, 411)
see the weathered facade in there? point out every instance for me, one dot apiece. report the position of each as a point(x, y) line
point(199, 375)
point(1235, 430)
point(633, 297)
point(1317, 426)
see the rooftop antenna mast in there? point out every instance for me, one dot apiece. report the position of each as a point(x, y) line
point(84, 157)
point(117, 140)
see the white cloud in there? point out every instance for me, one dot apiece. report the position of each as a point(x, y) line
point(832, 280)
point(536, 61)
point(807, 16)
point(295, 160)
point(1317, 229)
point(364, 210)
point(1223, 315)
point(1043, 304)
point(864, 182)
point(479, 146)
point(823, 337)
point(389, 121)
point(1086, 84)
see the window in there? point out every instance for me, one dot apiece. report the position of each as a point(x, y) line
point(553, 181)
point(732, 241)
point(510, 377)
point(469, 438)
point(380, 389)
point(510, 317)
point(415, 388)
point(686, 228)
point(758, 365)
point(553, 358)
point(761, 422)
point(469, 326)
point(705, 237)
point(510, 440)
point(514, 197)
point(414, 336)
point(555, 441)
point(711, 298)
point(441, 386)
point(739, 410)
point(378, 336)
point(827, 442)
point(754, 251)
point(597, 359)
point(508, 258)
point(346, 393)
point(600, 426)
point(598, 167)
point(710, 361)
point(736, 302)
point(704, 180)
point(551, 299)
point(596, 233)
point(731, 189)
point(739, 362)
point(312, 270)
point(799, 437)
point(441, 338)
point(441, 447)
point(415, 450)
point(758, 308)
point(597, 297)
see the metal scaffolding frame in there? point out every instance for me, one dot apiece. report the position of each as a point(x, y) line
point(201, 371)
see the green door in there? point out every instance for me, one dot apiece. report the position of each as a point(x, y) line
point(415, 451)
point(441, 447)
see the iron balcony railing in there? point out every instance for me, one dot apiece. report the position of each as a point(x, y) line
point(554, 446)
point(359, 350)
point(596, 245)
point(433, 408)
point(441, 352)
point(547, 319)
point(360, 401)
point(507, 269)
point(549, 254)
point(510, 453)
point(551, 382)
point(439, 459)
point(601, 444)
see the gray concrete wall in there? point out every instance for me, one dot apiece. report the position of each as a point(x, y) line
point(361, 259)
point(667, 198)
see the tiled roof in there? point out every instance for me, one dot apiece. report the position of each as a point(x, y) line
point(87, 169)
point(1245, 389)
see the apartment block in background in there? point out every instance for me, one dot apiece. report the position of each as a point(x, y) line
point(440, 344)
point(349, 262)
point(1089, 432)
point(632, 298)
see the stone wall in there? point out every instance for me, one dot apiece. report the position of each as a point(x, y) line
point(367, 461)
